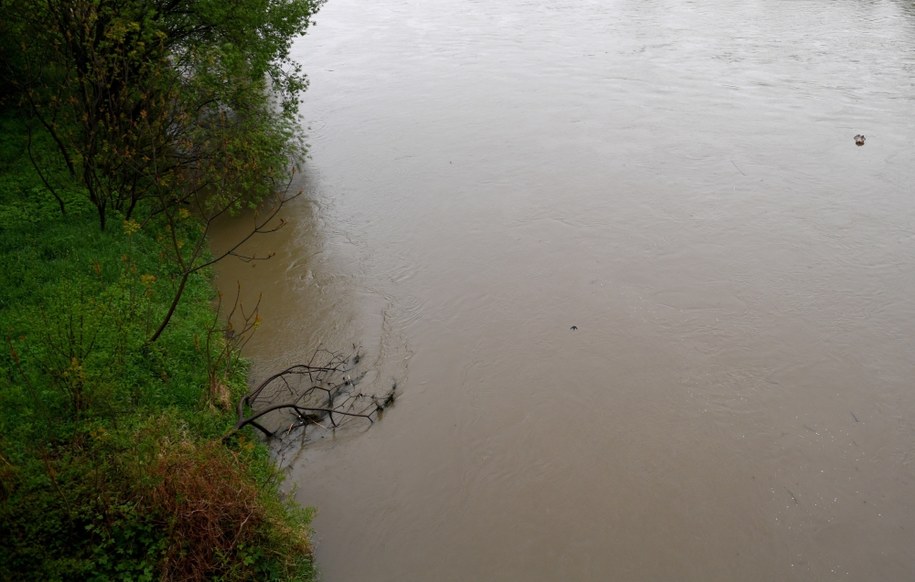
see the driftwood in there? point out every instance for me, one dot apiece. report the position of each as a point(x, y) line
point(321, 393)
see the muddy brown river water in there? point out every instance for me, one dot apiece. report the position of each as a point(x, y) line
point(679, 180)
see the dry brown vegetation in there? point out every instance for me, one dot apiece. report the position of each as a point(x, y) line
point(211, 505)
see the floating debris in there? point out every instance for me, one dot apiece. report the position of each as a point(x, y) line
point(859, 140)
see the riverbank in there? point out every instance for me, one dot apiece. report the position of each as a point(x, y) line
point(111, 458)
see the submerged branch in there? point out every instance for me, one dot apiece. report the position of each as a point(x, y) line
point(322, 395)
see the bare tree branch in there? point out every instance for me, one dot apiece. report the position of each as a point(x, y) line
point(322, 395)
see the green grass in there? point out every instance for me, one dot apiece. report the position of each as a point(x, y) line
point(111, 463)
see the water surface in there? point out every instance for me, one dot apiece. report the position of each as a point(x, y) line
point(677, 179)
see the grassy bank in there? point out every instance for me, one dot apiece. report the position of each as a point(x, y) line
point(111, 459)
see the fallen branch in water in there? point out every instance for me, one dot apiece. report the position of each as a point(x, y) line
point(320, 393)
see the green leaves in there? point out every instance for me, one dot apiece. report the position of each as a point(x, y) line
point(141, 96)
point(108, 450)
point(156, 116)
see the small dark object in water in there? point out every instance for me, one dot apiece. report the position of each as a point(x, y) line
point(574, 328)
point(859, 140)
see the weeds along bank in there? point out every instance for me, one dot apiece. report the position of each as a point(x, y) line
point(111, 459)
point(128, 128)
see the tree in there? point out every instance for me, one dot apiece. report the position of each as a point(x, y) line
point(143, 95)
point(170, 112)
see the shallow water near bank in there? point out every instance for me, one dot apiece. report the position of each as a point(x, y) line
point(679, 181)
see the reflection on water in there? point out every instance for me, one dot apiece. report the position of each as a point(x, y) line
point(679, 180)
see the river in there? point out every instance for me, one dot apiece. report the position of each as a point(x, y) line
point(676, 179)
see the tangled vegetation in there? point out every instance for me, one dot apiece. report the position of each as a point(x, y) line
point(127, 128)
